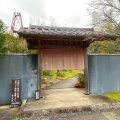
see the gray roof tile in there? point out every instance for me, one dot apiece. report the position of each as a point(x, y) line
point(63, 31)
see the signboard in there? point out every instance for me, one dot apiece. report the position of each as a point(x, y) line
point(15, 94)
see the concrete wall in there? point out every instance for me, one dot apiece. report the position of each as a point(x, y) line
point(18, 66)
point(104, 73)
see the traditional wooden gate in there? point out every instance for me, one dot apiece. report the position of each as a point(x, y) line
point(61, 39)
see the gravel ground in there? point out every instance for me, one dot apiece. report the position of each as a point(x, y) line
point(112, 114)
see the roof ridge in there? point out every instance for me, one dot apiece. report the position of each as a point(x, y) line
point(65, 28)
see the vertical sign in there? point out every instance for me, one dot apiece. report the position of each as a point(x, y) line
point(15, 94)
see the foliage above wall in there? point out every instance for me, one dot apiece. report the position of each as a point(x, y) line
point(16, 45)
point(2, 42)
point(105, 47)
point(12, 44)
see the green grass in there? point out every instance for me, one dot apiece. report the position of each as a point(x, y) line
point(53, 74)
point(113, 95)
point(69, 73)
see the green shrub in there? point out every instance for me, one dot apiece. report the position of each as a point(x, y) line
point(51, 74)
point(46, 72)
point(70, 73)
point(60, 73)
point(81, 77)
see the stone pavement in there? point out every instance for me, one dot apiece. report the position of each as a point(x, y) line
point(111, 114)
point(66, 101)
point(56, 99)
point(69, 83)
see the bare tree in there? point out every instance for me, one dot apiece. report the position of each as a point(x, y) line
point(106, 10)
point(36, 20)
point(53, 21)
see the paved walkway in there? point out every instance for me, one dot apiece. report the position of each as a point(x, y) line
point(68, 103)
point(113, 114)
point(69, 83)
point(69, 100)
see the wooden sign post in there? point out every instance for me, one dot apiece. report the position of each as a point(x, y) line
point(16, 94)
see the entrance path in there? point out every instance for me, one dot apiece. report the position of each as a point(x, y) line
point(69, 100)
point(68, 83)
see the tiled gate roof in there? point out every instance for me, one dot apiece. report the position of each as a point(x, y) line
point(58, 37)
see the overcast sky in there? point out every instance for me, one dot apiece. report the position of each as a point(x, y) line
point(65, 13)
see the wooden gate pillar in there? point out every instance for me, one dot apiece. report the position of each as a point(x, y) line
point(86, 74)
point(39, 79)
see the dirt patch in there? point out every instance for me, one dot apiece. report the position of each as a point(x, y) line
point(8, 113)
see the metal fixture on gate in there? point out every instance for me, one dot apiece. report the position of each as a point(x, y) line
point(37, 95)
